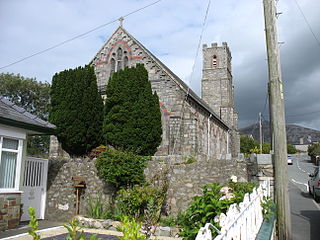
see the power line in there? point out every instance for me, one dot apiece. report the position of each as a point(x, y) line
point(78, 36)
point(306, 20)
point(265, 103)
point(300, 114)
point(192, 72)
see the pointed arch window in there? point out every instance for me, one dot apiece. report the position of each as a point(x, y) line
point(119, 59)
point(113, 66)
point(125, 61)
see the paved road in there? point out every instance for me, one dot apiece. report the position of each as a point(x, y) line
point(305, 212)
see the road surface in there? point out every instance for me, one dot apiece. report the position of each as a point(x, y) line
point(305, 212)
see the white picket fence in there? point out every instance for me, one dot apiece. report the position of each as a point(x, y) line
point(243, 221)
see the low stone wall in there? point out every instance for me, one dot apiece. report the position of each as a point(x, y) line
point(9, 210)
point(260, 168)
point(61, 193)
point(113, 225)
point(185, 176)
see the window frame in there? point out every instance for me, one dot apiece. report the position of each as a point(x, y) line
point(16, 187)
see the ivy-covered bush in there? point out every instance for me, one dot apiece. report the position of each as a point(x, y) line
point(215, 200)
point(123, 169)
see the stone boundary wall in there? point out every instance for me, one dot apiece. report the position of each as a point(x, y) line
point(61, 195)
point(260, 168)
point(185, 177)
point(9, 210)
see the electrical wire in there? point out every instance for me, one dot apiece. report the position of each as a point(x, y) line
point(192, 72)
point(78, 36)
point(265, 103)
point(306, 20)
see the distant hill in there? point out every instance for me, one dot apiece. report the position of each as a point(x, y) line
point(294, 133)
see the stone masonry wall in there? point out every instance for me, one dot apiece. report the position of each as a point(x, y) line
point(192, 136)
point(9, 210)
point(61, 195)
point(185, 181)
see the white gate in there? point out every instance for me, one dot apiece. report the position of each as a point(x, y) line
point(34, 186)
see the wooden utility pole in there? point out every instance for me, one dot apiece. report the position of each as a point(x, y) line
point(260, 132)
point(279, 142)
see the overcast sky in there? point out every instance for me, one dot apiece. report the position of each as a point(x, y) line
point(170, 29)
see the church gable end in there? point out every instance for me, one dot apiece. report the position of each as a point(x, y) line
point(201, 131)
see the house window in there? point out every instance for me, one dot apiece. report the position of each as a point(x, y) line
point(10, 162)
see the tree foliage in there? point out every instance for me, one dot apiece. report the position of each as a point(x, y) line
point(314, 149)
point(247, 143)
point(291, 149)
point(77, 110)
point(33, 96)
point(133, 119)
point(123, 169)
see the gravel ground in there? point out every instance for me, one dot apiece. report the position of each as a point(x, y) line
point(63, 237)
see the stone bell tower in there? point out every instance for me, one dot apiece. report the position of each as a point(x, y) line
point(217, 89)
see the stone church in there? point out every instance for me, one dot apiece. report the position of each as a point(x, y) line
point(205, 126)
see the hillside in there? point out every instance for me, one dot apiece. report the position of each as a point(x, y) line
point(294, 133)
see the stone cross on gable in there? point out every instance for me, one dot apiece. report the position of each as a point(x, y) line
point(121, 19)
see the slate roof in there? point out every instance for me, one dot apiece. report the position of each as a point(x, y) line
point(180, 82)
point(11, 114)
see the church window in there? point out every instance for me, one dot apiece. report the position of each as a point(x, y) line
point(125, 61)
point(119, 59)
point(113, 66)
point(119, 53)
point(214, 61)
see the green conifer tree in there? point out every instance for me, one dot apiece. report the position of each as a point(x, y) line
point(77, 110)
point(133, 119)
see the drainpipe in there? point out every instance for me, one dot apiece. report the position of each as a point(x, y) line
point(208, 137)
point(228, 141)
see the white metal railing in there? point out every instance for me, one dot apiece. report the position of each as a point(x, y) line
point(241, 221)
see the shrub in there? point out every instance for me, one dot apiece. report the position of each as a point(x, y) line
point(97, 210)
point(132, 112)
point(131, 229)
point(141, 203)
point(33, 224)
point(291, 149)
point(75, 231)
point(247, 143)
point(123, 169)
point(266, 148)
point(77, 110)
point(211, 203)
point(314, 149)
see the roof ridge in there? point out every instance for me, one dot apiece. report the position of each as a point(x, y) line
point(25, 113)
